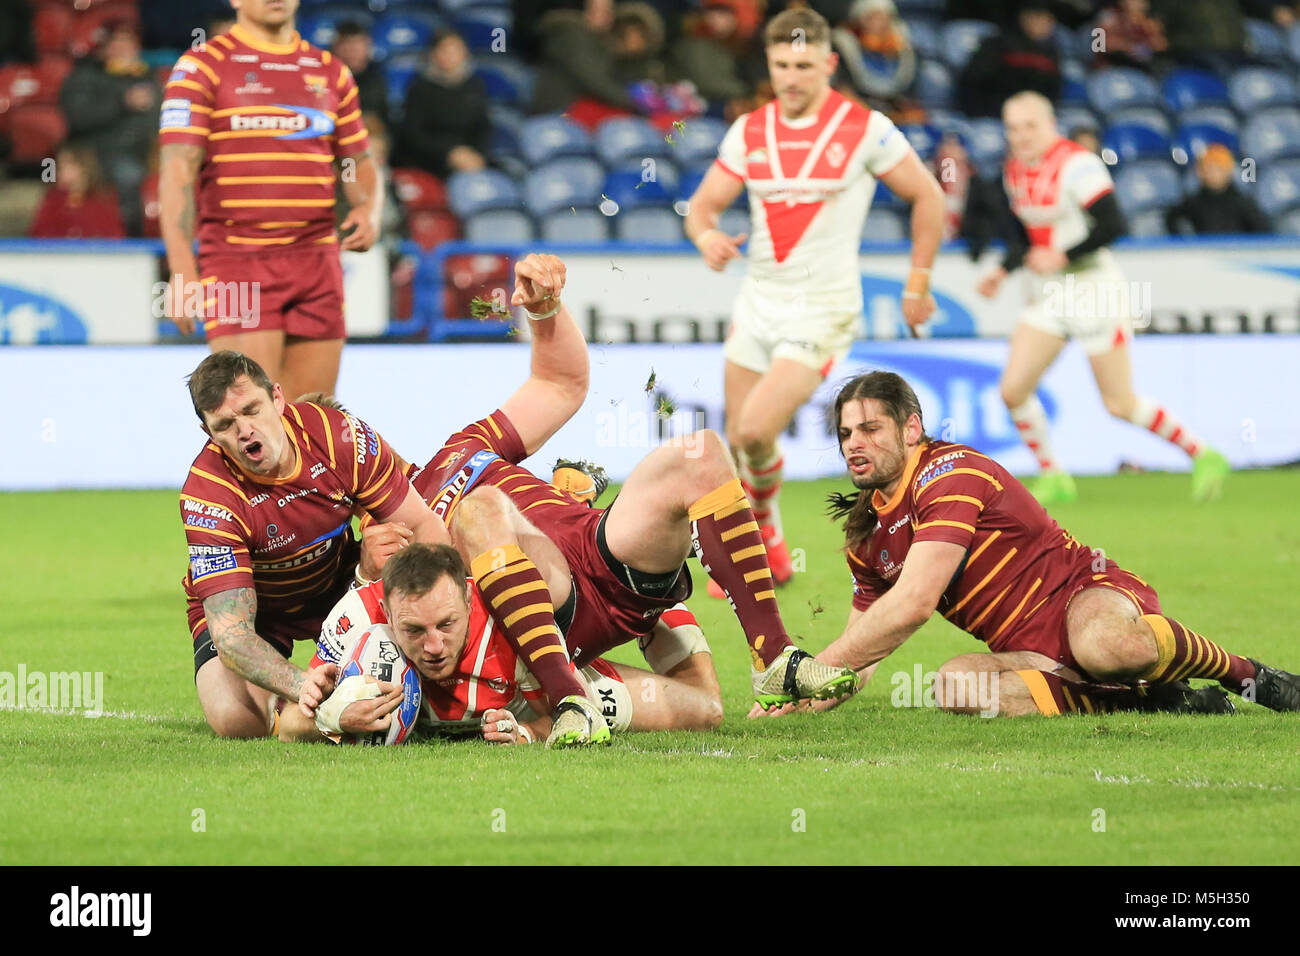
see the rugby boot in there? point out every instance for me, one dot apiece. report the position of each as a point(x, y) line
point(1275, 689)
point(797, 675)
point(1180, 697)
point(585, 480)
point(1054, 488)
point(1209, 471)
point(578, 723)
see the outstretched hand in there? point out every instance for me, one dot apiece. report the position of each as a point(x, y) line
point(539, 280)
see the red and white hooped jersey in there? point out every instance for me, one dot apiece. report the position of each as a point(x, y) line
point(810, 184)
point(1050, 196)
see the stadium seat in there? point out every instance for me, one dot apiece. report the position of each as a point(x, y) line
point(471, 193)
point(925, 37)
point(1186, 88)
point(505, 143)
point(933, 84)
point(697, 142)
point(1147, 225)
point(1192, 139)
point(405, 31)
point(628, 137)
point(884, 225)
point(500, 225)
point(1221, 116)
point(1130, 142)
point(664, 171)
point(543, 138)
point(482, 26)
point(689, 181)
point(1254, 88)
point(581, 225)
point(921, 8)
point(563, 183)
point(1120, 88)
point(21, 84)
point(1145, 185)
point(735, 222)
point(885, 198)
point(150, 208)
point(51, 27)
point(36, 129)
point(1274, 134)
point(654, 226)
point(1293, 42)
point(418, 189)
point(429, 228)
point(399, 71)
point(1146, 116)
point(987, 144)
point(1074, 83)
point(1071, 117)
point(321, 27)
point(960, 39)
point(88, 24)
point(1288, 224)
point(924, 138)
point(507, 80)
point(627, 188)
point(1278, 190)
point(1266, 44)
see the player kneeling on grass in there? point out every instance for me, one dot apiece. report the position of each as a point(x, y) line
point(472, 678)
point(936, 526)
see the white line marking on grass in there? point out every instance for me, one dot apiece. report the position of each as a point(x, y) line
point(66, 712)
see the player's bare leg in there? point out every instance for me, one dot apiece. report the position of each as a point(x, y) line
point(967, 684)
point(232, 706)
point(1113, 371)
point(660, 702)
point(677, 648)
point(1032, 353)
point(265, 347)
point(685, 496)
point(310, 365)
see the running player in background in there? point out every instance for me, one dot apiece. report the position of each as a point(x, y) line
point(252, 123)
point(936, 526)
point(810, 160)
point(473, 679)
point(1065, 218)
point(267, 509)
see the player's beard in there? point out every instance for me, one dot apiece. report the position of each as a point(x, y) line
point(883, 473)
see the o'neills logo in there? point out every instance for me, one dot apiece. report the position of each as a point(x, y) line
point(289, 124)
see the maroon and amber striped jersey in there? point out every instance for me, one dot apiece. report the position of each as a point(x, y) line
point(272, 119)
point(289, 538)
point(1017, 556)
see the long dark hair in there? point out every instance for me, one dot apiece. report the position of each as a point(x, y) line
point(901, 403)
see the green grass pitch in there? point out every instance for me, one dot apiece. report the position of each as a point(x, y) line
point(92, 584)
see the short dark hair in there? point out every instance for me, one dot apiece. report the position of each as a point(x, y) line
point(901, 403)
point(415, 569)
point(349, 28)
point(217, 373)
point(815, 31)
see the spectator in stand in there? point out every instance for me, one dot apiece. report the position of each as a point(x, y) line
point(446, 128)
point(1133, 37)
point(111, 100)
point(1210, 34)
point(353, 45)
point(78, 206)
point(1218, 207)
point(876, 55)
point(721, 57)
point(1023, 57)
point(1283, 15)
point(1089, 137)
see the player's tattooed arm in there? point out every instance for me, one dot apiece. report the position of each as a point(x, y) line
point(231, 615)
point(178, 169)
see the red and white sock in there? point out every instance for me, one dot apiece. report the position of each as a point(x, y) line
point(761, 479)
point(1156, 418)
point(1031, 422)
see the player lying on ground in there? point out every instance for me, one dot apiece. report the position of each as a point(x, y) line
point(267, 508)
point(626, 561)
point(473, 680)
point(938, 526)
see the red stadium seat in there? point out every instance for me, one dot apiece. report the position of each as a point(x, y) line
point(418, 189)
point(53, 69)
point(52, 25)
point(150, 207)
point(471, 275)
point(21, 84)
point(431, 227)
point(36, 131)
point(88, 26)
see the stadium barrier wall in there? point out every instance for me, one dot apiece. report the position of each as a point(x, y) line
point(73, 292)
point(119, 417)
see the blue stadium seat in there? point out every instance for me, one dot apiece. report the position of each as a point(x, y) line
point(483, 26)
point(399, 71)
point(698, 140)
point(471, 193)
point(1070, 117)
point(663, 171)
point(1120, 88)
point(504, 142)
point(1130, 142)
point(1288, 224)
point(1186, 88)
point(544, 138)
point(581, 225)
point(921, 8)
point(507, 80)
point(988, 144)
point(885, 225)
point(1192, 139)
point(1146, 185)
point(734, 222)
point(961, 38)
point(507, 117)
point(456, 6)
point(689, 181)
point(924, 138)
point(628, 137)
point(1254, 88)
point(1278, 190)
point(950, 121)
point(1074, 83)
point(406, 31)
point(1147, 225)
point(1220, 116)
point(1293, 43)
point(1147, 116)
point(630, 191)
point(933, 84)
point(1265, 43)
point(885, 198)
point(562, 183)
point(925, 37)
point(500, 226)
point(654, 226)
point(1273, 134)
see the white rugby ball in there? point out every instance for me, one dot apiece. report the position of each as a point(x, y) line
point(375, 654)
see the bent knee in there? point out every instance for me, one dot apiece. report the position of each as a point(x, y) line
point(235, 721)
point(1012, 396)
point(1120, 406)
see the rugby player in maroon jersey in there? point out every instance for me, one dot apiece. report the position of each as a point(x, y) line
point(937, 526)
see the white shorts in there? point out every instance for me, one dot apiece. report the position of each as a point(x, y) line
point(607, 689)
point(765, 326)
point(1096, 306)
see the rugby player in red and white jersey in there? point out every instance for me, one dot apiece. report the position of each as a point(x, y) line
point(937, 526)
point(473, 679)
point(252, 125)
point(1065, 216)
point(267, 509)
point(810, 161)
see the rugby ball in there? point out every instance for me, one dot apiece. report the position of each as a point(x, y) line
point(374, 653)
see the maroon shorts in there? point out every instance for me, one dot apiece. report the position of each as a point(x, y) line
point(1044, 631)
point(608, 611)
point(299, 293)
